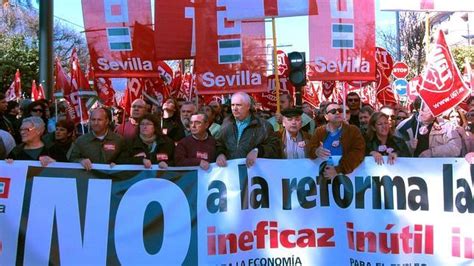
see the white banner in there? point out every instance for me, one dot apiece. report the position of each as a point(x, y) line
point(428, 5)
point(279, 212)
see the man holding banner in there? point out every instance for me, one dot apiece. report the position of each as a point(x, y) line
point(244, 135)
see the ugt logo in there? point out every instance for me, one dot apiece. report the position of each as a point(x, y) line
point(4, 187)
point(440, 73)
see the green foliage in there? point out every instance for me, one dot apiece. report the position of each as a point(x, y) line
point(16, 54)
point(460, 53)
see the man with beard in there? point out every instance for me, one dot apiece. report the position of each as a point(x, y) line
point(185, 113)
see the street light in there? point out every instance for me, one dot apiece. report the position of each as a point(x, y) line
point(465, 18)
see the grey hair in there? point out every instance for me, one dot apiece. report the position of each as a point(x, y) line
point(37, 122)
point(245, 96)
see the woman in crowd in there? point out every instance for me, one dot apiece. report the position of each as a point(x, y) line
point(63, 138)
point(171, 122)
point(381, 142)
point(456, 117)
point(32, 147)
point(150, 146)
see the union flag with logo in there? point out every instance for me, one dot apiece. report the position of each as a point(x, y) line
point(442, 86)
point(342, 41)
point(230, 55)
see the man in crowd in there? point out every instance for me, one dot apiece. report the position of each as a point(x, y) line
point(200, 147)
point(100, 145)
point(294, 140)
point(243, 135)
point(364, 117)
point(286, 101)
point(353, 102)
point(337, 138)
point(435, 137)
point(213, 127)
point(129, 129)
point(186, 111)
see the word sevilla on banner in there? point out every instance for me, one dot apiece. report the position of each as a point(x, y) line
point(259, 9)
point(120, 37)
point(442, 86)
point(175, 29)
point(342, 41)
point(230, 55)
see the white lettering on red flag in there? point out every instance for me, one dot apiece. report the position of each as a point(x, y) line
point(442, 86)
point(342, 41)
point(230, 55)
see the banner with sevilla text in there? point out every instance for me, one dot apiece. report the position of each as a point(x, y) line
point(230, 55)
point(342, 41)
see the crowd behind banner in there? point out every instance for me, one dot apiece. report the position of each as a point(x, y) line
point(183, 133)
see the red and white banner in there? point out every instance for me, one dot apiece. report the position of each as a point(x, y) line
point(342, 41)
point(259, 9)
point(442, 86)
point(175, 29)
point(383, 88)
point(14, 91)
point(428, 5)
point(230, 55)
point(105, 91)
point(120, 37)
point(37, 92)
point(413, 88)
point(311, 93)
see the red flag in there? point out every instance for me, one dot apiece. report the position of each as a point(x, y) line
point(177, 80)
point(230, 55)
point(328, 88)
point(442, 86)
point(310, 93)
point(120, 37)
point(133, 91)
point(37, 92)
point(342, 40)
point(105, 91)
point(175, 29)
point(62, 85)
point(79, 87)
point(384, 63)
point(14, 92)
point(268, 99)
point(156, 90)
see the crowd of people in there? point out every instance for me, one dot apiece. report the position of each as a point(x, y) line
point(182, 133)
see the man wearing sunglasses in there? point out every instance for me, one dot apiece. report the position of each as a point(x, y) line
point(353, 102)
point(337, 139)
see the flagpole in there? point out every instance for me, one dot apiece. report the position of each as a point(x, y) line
point(275, 66)
point(80, 111)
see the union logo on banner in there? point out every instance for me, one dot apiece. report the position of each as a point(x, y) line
point(442, 86)
point(4, 187)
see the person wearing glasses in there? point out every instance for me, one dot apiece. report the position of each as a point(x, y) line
point(129, 129)
point(337, 138)
point(150, 146)
point(401, 115)
point(353, 102)
point(199, 148)
point(390, 112)
point(32, 147)
point(381, 142)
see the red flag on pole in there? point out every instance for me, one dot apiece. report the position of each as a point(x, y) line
point(14, 92)
point(62, 85)
point(37, 92)
point(442, 86)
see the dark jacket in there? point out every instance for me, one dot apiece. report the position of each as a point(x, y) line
point(258, 134)
point(397, 144)
point(164, 151)
point(173, 128)
point(353, 147)
point(108, 150)
point(306, 138)
point(18, 153)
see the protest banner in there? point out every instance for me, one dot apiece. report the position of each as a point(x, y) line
point(417, 211)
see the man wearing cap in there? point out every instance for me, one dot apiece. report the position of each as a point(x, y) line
point(337, 138)
point(294, 140)
point(286, 101)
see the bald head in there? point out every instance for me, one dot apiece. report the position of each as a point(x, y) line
point(138, 109)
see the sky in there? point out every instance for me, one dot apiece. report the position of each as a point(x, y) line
point(288, 29)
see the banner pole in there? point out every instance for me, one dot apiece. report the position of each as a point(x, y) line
point(275, 66)
point(80, 113)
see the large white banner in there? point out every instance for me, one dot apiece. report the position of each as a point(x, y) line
point(279, 212)
point(428, 5)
